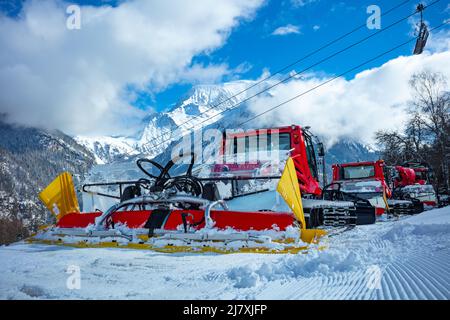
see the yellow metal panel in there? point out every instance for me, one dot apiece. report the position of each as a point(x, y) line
point(289, 189)
point(59, 196)
point(385, 200)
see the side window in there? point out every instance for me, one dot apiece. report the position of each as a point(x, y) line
point(311, 156)
point(285, 141)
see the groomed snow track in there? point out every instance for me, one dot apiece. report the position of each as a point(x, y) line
point(405, 259)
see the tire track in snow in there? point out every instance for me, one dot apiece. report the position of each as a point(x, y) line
point(328, 287)
point(340, 280)
point(306, 288)
point(389, 289)
point(403, 284)
point(437, 262)
point(313, 290)
point(348, 283)
point(379, 244)
point(411, 280)
point(362, 289)
point(428, 280)
point(436, 273)
point(344, 284)
point(424, 288)
point(414, 278)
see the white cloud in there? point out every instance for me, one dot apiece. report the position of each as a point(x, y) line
point(209, 74)
point(288, 29)
point(374, 100)
point(74, 79)
point(316, 27)
point(439, 41)
point(301, 3)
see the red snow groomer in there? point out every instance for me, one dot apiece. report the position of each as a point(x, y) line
point(371, 180)
point(404, 177)
point(414, 179)
point(241, 152)
point(218, 213)
point(323, 206)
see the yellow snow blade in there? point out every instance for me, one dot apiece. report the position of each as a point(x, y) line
point(60, 197)
point(289, 189)
point(171, 249)
point(312, 235)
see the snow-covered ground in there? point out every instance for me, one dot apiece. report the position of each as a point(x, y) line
point(405, 259)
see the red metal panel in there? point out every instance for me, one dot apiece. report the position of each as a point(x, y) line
point(245, 221)
point(133, 219)
point(175, 218)
point(240, 221)
point(77, 220)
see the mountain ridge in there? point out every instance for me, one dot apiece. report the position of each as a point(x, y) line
point(200, 104)
point(30, 158)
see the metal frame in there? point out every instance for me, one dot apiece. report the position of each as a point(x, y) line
point(209, 223)
point(146, 200)
point(107, 184)
point(121, 184)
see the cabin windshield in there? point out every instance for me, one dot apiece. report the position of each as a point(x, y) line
point(358, 172)
point(259, 143)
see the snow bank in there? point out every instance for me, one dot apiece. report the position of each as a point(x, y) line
point(315, 263)
point(405, 230)
point(436, 216)
point(429, 224)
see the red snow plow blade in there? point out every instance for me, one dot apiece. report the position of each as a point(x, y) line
point(239, 221)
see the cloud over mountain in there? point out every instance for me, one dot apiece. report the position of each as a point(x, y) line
point(76, 80)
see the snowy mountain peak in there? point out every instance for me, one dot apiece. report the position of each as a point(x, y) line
point(160, 129)
point(207, 96)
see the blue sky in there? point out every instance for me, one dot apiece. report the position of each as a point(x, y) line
point(253, 43)
point(253, 46)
